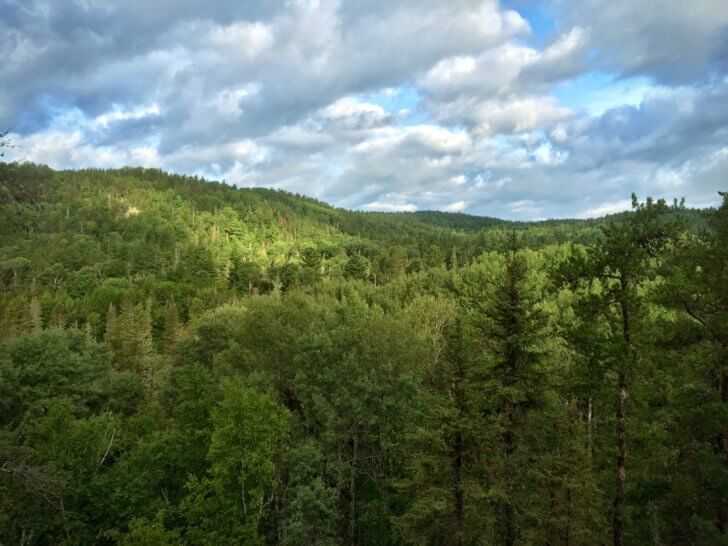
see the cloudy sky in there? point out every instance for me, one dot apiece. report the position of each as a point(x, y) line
point(516, 109)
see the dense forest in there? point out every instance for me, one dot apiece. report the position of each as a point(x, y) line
point(184, 362)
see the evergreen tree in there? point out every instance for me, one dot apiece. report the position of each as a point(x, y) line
point(357, 267)
point(512, 336)
point(696, 288)
point(621, 263)
point(34, 312)
point(171, 324)
point(130, 337)
point(244, 275)
point(446, 479)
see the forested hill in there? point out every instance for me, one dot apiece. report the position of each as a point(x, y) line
point(264, 216)
point(183, 362)
point(139, 224)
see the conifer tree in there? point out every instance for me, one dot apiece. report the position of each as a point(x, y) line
point(34, 311)
point(130, 337)
point(696, 288)
point(110, 319)
point(446, 479)
point(619, 264)
point(171, 324)
point(58, 317)
point(357, 267)
point(512, 332)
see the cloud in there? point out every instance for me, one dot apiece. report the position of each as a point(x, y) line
point(605, 208)
point(671, 40)
point(457, 206)
point(390, 207)
point(404, 105)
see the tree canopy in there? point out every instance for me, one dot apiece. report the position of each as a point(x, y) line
point(184, 362)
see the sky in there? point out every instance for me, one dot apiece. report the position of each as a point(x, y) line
point(516, 109)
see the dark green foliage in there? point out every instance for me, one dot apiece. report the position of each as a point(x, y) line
point(182, 362)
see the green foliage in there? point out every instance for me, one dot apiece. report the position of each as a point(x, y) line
point(183, 362)
point(226, 506)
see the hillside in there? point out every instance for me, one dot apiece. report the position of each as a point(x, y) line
point(83, 228)
point(183, 362)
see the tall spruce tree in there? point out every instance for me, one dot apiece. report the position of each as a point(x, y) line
point(129, 336)
point(171, 324)
point(512, 330)
point(446, 481)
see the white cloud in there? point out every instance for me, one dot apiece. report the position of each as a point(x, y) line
point(504, 115)
point(390, 207)
point(546, 155)
point(457, 206)
point(117, 113)
point(245, 38)
point(605, 208)
point(402, 105)
point(228, 102)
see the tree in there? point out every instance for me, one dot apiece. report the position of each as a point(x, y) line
point(357, 267)
point(4, 141)
point(130, 337)
point(143, 532)
point(353, 381)
point(391, 263)
point(171, 325)
point(244, 275)
point(445, 479)
point(311, 259)
point(11, 188)
point(227, 505)
point(696, 287)
point(50, 363)
point(433, 256)
point(34, 311)
point(616, 268)
point(512, 335)
point(309, 512)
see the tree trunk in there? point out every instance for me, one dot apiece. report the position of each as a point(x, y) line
point(723, 389)
point(352, 493)
point(509, 538)
point(622, 394)
point(458, 447)
point(589, 411)
point(618, 524)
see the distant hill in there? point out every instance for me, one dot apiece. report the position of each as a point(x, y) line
point(89, 230)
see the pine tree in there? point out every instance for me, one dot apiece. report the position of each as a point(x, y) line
point(620, 263)
point(696, 288)
point(57, 318)
point(454, 259)
point(356, 267)
point(18, 316)
point(130, 337)
point(110, 319)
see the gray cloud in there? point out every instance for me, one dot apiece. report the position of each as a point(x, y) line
point(384, 105)
point(672, 40)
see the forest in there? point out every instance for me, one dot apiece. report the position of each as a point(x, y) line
point(185, 362)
